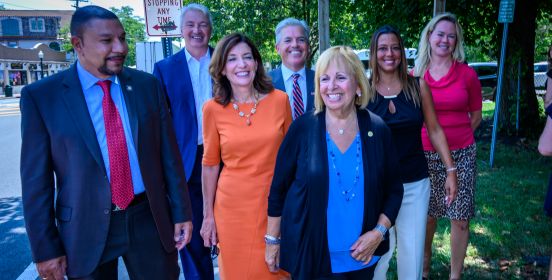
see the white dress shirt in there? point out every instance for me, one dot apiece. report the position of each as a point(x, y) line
point(287, 75)
point(202, 85)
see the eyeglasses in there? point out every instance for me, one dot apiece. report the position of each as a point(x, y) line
point(214, 252)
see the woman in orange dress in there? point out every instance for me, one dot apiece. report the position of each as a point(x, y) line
point(243, 126)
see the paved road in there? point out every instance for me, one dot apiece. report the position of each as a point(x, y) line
point(15, 254)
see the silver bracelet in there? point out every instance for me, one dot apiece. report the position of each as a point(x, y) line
point(451, 169)
point(382, 230)
point(271, 240)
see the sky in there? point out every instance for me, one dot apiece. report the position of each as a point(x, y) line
point(137, 5)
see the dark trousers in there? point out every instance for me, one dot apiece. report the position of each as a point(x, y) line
point(134, 236)
point(366, 273)
point(196, 258)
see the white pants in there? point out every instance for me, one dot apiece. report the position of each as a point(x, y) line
point(408, 234)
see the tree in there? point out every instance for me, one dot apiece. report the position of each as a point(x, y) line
point(520, 49)
point(65, 35)
point(258, 19)
point(134, 28)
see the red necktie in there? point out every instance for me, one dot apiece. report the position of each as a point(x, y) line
point(122, 191)
point(298, 107)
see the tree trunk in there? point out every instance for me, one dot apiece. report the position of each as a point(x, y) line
point(520, 49)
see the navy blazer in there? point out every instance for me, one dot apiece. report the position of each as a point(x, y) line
point(66, 191)
point(278, 82)
point(174, 75)
point(299, 190)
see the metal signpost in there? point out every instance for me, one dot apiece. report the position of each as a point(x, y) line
point(163, 20)
point(506, 16)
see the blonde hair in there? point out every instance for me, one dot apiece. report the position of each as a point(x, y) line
point(424, 48)
point(346, 57)
point(410, 86)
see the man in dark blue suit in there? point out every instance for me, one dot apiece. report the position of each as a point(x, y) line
point(100, 172)
point(293, 77)
point(186, 81)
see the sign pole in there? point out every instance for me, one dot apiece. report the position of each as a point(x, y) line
point(505, 15)
point(166, 42)
point(518, 95)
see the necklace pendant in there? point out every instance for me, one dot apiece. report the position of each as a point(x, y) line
point(341, 131)
point(248, 122)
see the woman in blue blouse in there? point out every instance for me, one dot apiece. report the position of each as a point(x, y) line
point(335, 190)
point(405, 104)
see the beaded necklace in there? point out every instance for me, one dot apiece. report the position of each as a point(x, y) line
point(347, 192)
point(253, 110)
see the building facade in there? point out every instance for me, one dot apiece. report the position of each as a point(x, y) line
point(30, 45)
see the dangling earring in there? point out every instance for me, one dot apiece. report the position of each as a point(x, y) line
point(359, 94)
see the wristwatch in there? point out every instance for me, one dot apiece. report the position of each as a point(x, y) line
point(382, 230)
point(271, 240)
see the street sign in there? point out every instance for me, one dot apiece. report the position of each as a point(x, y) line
point(163, 17)
point(506, 11)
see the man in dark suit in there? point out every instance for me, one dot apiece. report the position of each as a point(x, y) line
point(292, 44)
point(100, 170)
point(186, 81)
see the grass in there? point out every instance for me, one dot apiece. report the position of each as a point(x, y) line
point(510, 234)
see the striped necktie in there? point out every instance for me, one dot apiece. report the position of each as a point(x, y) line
point(298, 105)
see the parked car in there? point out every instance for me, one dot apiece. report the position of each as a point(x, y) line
point(487, 74)
point(540, 74)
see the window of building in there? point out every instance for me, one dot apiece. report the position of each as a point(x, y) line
point(36, 25)
point(54, 46)
point(11, 27)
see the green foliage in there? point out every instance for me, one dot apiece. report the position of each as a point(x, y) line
point(135, 31)
point(544, 35)
point(65, 35)
point(258, 19)
point(479, 20)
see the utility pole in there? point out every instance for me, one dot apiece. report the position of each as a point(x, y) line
point(76, 5)
point(323, 25)
point(439, 7)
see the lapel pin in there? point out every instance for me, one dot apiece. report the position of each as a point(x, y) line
point(129, 88)
point(370, 134)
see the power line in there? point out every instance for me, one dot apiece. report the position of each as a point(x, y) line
point(76, 5)
point(15, 5)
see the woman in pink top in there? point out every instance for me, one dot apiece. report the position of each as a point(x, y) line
point(457, 96)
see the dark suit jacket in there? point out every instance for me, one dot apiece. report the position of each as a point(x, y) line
point(174, 75)
point(278, 82)
point(66, 192)
point(299, 191)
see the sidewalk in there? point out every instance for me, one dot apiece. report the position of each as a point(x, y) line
point(15, 95)
point(16, 92)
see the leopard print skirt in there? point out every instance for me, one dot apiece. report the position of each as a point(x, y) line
point(462, 208)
